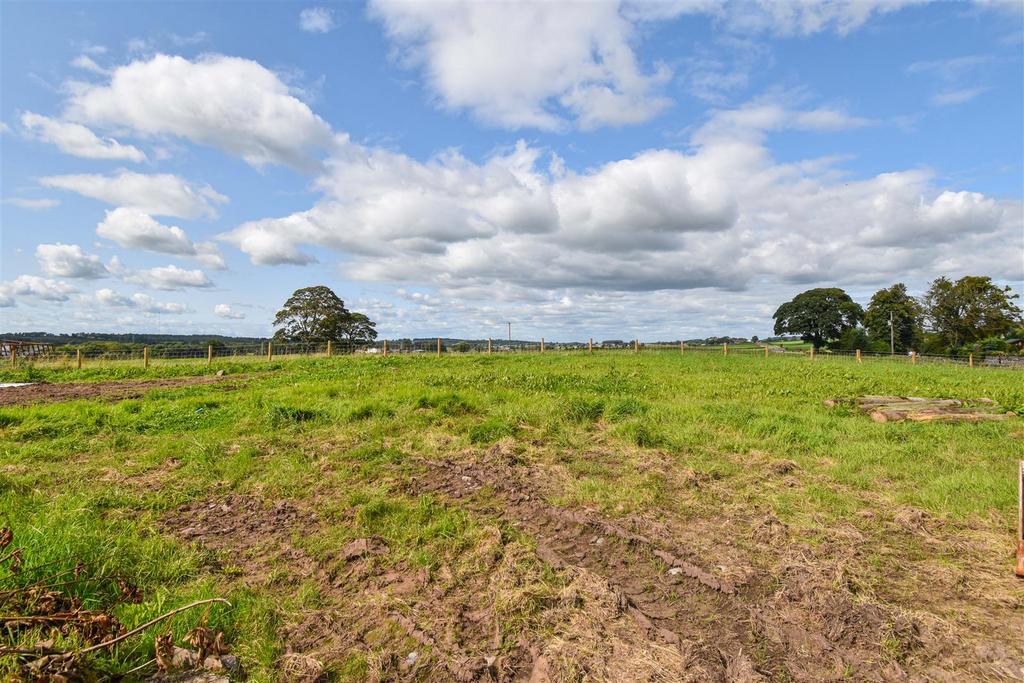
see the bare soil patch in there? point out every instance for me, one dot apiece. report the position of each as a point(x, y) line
point(408, 624)
point(642, 599)
point(110, 391)
point(798, 620)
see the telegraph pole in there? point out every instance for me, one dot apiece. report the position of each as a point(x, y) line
point(510, 335)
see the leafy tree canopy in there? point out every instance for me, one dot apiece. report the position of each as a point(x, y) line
point(818, 315)
point(317, 314)
point(970, 309)
point(907, 315)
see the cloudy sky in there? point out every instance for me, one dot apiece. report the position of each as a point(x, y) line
point(660, 170)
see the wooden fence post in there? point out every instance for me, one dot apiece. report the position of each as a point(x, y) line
point(438, 347)
point(209, 355)
point(970, 360)
point(590, 345)
point(330, 348)
point(1019, 570)
point(682, 346)
point(270, 350)
point(858, 356)
point(636, 346)
point(145, 356)
point(14, 354)
point(812, 353)
point(385, 348)
point(725, 349)
point(542, 344)
point(78, 358)
point(766, 351)
point(489, 345)
point(913, 357)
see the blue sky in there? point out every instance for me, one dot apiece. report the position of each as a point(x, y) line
point(659, 170)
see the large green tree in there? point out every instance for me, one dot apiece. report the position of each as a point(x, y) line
point(970, 309)
point(317, 314)
point(906, 315)
point(818, 315)
point(358, 328)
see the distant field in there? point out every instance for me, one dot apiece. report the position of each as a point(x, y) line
point(659, 516)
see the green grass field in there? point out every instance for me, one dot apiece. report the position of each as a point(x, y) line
point(486, 487)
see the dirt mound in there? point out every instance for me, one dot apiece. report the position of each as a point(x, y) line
point(111, 391)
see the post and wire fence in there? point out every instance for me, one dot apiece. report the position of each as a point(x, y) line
point(16, 353)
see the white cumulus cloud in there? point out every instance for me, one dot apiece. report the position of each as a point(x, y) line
point(142, 302)
point(226, 311)
point(136, 229)
point(37, 287)
point(69, 260)
point(161, 194)
point(169, 277)
point(549, 65)
point(77, 140)
point(231, 103)
point(529, 65)
point(724, 215)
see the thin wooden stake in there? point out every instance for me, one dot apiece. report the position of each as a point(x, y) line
point(913, 357)
point(858, 356)
point(725, 349)
point(14, 354)
point(812, 353)
point(542, 344)
point(330, 348)
point(766, 351)
point(209, 355)
point(385, 348)
point(636, 346)
point(970, 360)
point(489, 346)
point(590, 345)
point(1019, 571)
point(682, 346)
point(438, 347)
point(270, 350)
point(78, 358)
point(145, 356)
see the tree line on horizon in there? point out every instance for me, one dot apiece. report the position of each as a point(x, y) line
point(972, 314)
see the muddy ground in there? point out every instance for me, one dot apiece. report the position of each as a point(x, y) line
point(640, 599)
point(44, 392)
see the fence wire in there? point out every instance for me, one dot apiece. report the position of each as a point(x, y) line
point(71, 357)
